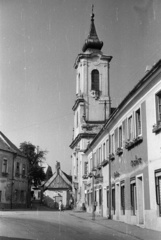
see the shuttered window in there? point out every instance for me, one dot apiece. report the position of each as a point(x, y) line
point(124, 129)
point(138, 122)
point(116, 138)
point(107, 149)
point(112, 144)
point(130, 128)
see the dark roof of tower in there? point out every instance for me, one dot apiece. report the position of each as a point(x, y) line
point(92, 40)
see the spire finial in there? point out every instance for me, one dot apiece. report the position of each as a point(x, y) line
point(92, 15)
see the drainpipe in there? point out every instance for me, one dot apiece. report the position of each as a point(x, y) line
point(109, 217)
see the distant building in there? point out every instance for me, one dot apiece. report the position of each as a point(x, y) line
point(116, 160)
point(59, 186)
point(13, 175)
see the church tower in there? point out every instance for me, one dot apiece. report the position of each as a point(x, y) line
point(92, 105)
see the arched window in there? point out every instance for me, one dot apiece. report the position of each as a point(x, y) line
point(78, 84)
point(95, 80)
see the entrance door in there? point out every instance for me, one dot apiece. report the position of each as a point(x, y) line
point(117, 201)
point(140, 198)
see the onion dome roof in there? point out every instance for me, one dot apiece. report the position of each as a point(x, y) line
point(92, 40)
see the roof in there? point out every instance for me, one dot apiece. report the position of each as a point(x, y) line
point(92, 40)
point(7, 145)
point(59, 180)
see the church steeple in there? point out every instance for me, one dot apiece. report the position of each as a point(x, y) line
point(92, 41)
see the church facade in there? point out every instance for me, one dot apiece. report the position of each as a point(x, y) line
point(116, 159)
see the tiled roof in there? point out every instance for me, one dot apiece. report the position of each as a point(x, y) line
point(7, 145)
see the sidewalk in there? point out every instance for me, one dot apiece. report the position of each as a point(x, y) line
point(131, 230)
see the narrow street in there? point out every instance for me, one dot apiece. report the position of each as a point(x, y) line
point(52, 226)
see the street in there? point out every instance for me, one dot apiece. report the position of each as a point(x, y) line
point(53, 225)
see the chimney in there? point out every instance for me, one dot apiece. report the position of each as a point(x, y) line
point(57, 167)
point(148, 68)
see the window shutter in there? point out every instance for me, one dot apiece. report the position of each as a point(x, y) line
point(124, 127)
point(116, 138)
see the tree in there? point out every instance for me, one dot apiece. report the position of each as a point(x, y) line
point(36, 173)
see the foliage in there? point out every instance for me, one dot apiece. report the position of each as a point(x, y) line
point(36, 173)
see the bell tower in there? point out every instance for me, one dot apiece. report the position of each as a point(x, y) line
point(92, 106)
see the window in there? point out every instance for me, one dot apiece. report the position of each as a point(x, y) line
point(86, 168)
point(95, 80)
point(108, 198)
point(158, 107)
point(97, 156)
point(123, 198)
point(94, 160)
point(130, 128)
point(100, 197)
point(133, 197)
point(78, 84)
point(91, 164)
point(76, 119)
point(158, 189)
point(103, 153)
point(17, 169)
point(138, 122)
point(100, 155)
point(107, 149)
point(112, 143)
point(5, 166)
point(113, 200)
point(23, 170)
point(0, 196)
point(120, 136)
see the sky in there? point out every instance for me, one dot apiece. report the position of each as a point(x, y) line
point(39, 42)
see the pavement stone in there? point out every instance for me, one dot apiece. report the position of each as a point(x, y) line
point(128, 229)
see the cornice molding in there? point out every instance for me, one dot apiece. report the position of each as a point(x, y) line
point(80, 136)
point(78, 100)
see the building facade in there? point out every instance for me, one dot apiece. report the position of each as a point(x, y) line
point(118, 169)
point(13, 175)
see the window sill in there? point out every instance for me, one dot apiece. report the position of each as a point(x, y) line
point(119, 151)
point(85, 176)
point(132, 143)
point(156, 128)
point(104, 163)
point(112, 156)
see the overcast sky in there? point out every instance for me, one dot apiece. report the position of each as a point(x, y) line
point(39, 42)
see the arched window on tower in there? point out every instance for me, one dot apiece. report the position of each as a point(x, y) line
point(78, 84)
point(95, 80)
